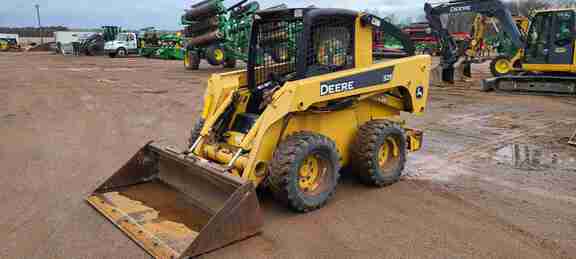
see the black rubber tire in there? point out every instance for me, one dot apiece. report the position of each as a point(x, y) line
point(112, 55)
point(285, 166)
point(467, 69)
point(121, 52)
point(195, 131)
point(493, 66)
point(205, 25)
point(193, 60)
point(211, 56)
point(199, 11)
point(229, 62)
point(370, 138)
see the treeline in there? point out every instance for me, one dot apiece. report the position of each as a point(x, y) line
point(33, 31)
point(525, 7)
point(461, 23)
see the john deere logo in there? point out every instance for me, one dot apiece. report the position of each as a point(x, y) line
point(419, 92)
point(387, 77)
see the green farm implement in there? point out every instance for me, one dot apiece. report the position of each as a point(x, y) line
point(220, 34)
point(167, 46)
point(216, 33)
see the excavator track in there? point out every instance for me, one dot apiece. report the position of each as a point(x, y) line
point(533, 84)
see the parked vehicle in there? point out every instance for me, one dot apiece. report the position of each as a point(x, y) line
point(124, 44)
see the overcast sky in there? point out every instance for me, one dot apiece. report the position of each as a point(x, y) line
point(162, 14)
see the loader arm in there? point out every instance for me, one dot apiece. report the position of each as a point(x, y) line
point(488, 8)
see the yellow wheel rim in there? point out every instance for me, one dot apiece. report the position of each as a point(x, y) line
point(502, 66)
point(310, 173)
point(388, 151)
point(187, 58)
point(219, 54)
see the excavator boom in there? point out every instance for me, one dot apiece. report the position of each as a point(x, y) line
point(488, 8)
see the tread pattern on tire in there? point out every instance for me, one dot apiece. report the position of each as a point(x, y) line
point(367, 144)
point(193, 60)
point(283, 162)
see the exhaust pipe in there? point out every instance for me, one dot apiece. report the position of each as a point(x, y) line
point(174, 206)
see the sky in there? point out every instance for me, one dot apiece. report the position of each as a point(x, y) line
point(161, 14)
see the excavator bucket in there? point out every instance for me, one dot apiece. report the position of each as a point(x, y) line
point(176, 206)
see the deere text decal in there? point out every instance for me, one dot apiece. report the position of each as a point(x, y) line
point(349, 83)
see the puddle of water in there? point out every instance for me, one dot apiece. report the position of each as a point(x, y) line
point(532, 157)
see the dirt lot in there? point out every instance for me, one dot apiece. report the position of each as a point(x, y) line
point(495, 179)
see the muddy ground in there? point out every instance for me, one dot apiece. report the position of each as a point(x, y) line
point(495, 179)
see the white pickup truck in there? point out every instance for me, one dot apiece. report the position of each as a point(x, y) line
point(125, 43)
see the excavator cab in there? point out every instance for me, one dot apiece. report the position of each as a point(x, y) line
point(550, 41)
point(547, 51)
point(548, 62)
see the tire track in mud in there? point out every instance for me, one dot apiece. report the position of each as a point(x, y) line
point(443, 186)
point(528, 238)
point(449, 173)
point(438, 173)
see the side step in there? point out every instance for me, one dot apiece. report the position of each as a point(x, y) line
point(537, 84)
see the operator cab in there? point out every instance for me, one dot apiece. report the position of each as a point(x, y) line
point(551, 37)
point(293, 44)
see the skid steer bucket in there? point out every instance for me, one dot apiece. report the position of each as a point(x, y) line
point(174, 206)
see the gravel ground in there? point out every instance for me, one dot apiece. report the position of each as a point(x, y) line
point(494, 180)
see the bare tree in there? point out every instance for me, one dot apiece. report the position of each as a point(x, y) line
point(33, 31)
point(565, 3)
point(525, 7)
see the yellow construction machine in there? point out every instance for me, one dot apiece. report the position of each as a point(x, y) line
point(548, 61)
point(547, 52)
point(289, 124)
point(4, 46)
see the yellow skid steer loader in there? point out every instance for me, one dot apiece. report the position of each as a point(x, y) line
point(311, 100)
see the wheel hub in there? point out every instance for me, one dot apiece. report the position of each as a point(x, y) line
point(219, 54)
point(388, 152)
point(310, 173)
point(502, 66)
